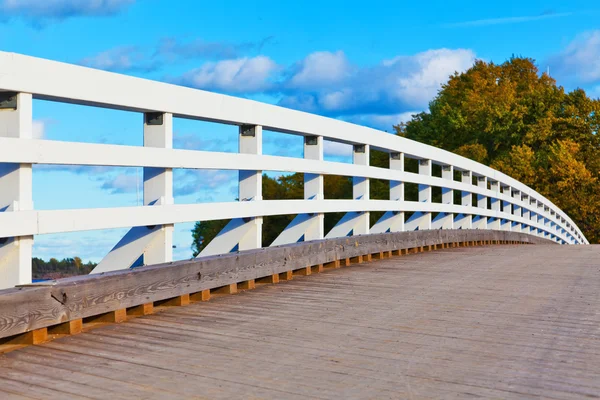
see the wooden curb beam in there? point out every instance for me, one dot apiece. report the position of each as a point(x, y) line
point(32, 314)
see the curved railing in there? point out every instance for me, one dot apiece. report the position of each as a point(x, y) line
point(511, 206)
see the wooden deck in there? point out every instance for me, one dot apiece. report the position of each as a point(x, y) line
point(492, 322)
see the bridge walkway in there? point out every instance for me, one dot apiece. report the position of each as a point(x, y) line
point(494, 322)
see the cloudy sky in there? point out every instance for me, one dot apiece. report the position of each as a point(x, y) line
point(374, 63)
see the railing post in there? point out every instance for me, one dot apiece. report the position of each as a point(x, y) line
point(421, 220)
point(480, 221)
point(445, 220)
point(465, 221)
point(397, 191)
point(547, 222)
point(16, 121)
point(516, 210)
point(313, 185)
point(425, 193)
point(495, 222)
point(360, 187)
point(506, 224)
point(158, 184)
point(525, 213)
point(542, 220)
point(250, 184)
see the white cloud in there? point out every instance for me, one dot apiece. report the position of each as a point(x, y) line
point(420, 77)
point(120, 59)
point(43, 10)
point(89, 246)
point(508, 20)
point(202, 182)
point(579, 62)
point(237, 75)
point(385, 122)
point(395, 86)
point(327, 83)
point(320, 68)
point(121, 183)
point(336, 149)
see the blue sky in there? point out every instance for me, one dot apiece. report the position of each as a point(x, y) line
point(373, 63)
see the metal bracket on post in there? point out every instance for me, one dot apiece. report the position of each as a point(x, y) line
point(8, 101)
point(154, 118)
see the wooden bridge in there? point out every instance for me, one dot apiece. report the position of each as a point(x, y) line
point(498, 321)
point(476, 286)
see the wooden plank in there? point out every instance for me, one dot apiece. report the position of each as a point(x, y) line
point(456, 308)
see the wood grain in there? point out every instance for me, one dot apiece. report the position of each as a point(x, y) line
point(501, 322)
point(32, 307)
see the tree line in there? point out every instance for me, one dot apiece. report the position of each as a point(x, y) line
point(507, 116)
point(54, 269)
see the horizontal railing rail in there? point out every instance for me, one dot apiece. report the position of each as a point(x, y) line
point(502, 203)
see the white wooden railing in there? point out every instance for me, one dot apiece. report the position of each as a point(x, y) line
point(514, 206)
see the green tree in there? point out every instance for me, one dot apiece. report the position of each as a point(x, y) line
point(520, 122)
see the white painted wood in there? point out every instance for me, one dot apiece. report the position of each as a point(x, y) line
point(444, 220)
point(465, 221)
point(393, 221)
point(313, 188)
point(523, 209)
point(250, 185)
point(243, 232)
point(50, 152)
point(421, 220)
point(516, 210)
point(307, 226)
point(360, 188)
point(16, 194)
point(505, 224)
point(158, 186)
point(56, 221)
point(480, 221)
point(82, 85)
point(494, 223)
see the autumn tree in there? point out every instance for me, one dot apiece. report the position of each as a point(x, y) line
point(516, 120)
